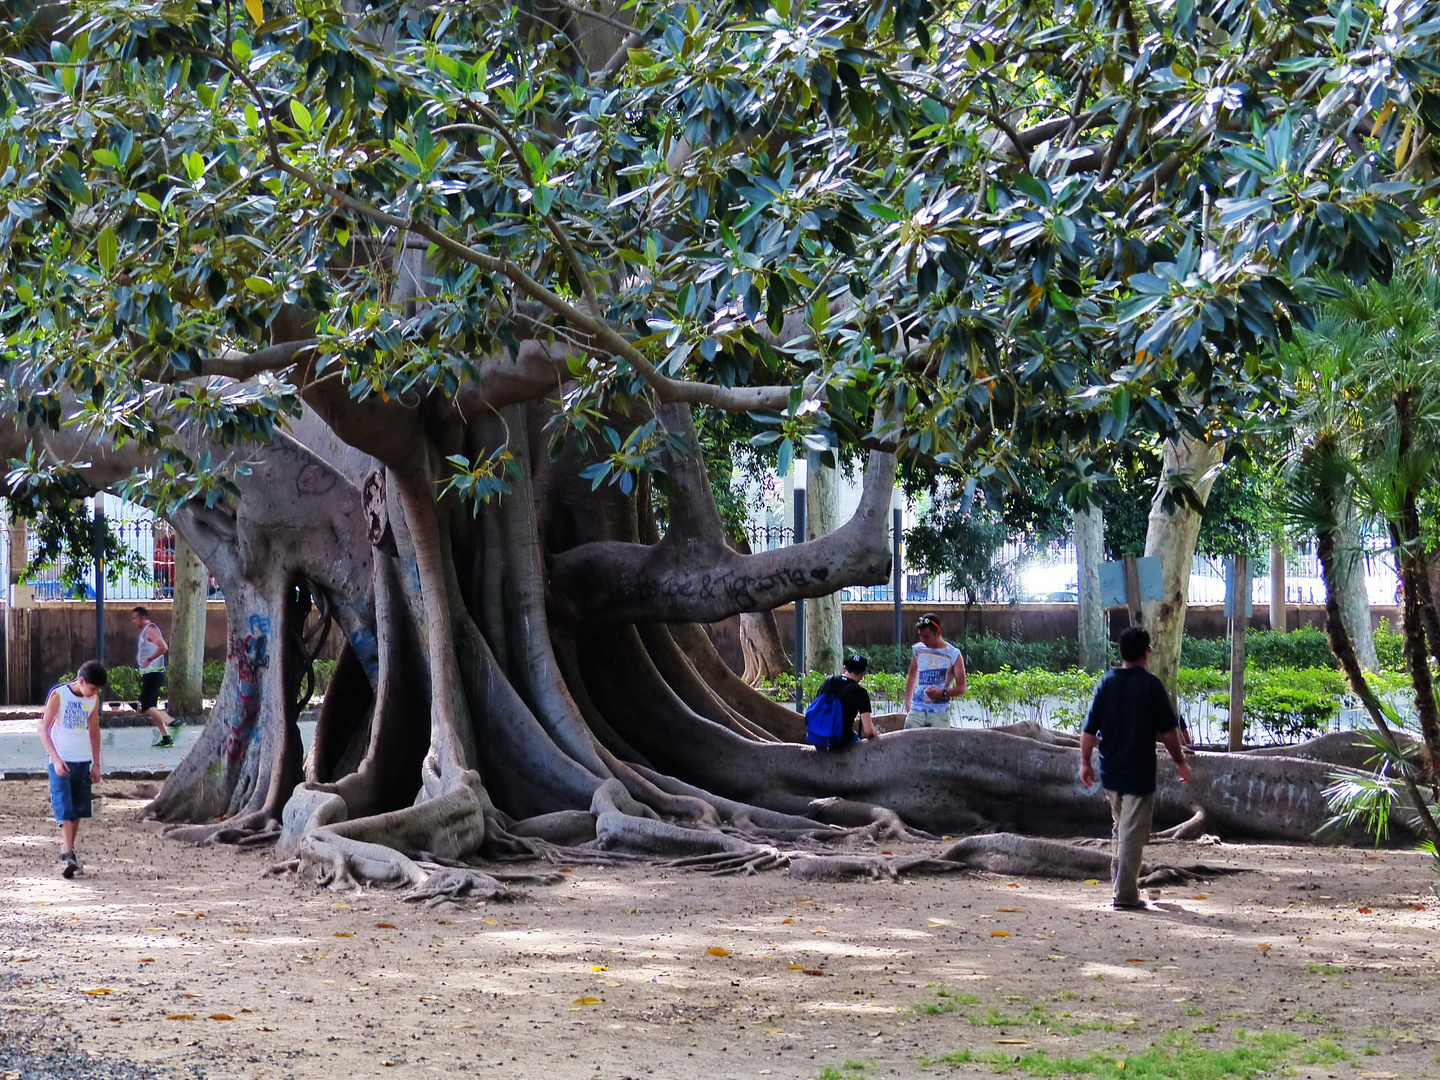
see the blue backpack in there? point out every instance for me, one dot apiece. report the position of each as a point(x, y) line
point(825, 722)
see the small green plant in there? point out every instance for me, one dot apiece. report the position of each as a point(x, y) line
point(1178, 1057)
point(1324, 969)
point(1324, 1052)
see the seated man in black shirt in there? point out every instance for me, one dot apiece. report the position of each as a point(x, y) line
point(854, 698)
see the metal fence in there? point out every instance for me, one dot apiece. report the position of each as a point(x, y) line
point(147, 572)
point(1049, 575)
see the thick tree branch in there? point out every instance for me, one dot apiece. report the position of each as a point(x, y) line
point(614, 582)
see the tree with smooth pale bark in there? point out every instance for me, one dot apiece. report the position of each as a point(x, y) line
point(505, 255)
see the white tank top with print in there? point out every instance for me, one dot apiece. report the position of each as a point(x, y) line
point(71, 732)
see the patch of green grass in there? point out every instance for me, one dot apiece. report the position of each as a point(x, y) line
point(850, 1070)
point(1307, 1016)
point(1190, 1011)
point(1370, 1051)
point(1205, 1029)
point(948, 1002)
point(1176, 1058)
point(1380, 1031)
point(1324, 1052)
point(1325, 969)
point(1090, 1025)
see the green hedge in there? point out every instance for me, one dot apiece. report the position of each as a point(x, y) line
point(1266, 650)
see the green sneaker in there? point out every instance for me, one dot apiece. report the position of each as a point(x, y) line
point(164, 742)
point(176, 725)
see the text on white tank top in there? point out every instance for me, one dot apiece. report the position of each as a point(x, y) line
point(145, 652)
point(71, 731)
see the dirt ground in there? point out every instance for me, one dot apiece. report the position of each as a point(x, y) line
point(1322, 963)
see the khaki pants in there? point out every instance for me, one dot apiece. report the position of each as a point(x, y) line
point(1132, 815)
point(917, 719)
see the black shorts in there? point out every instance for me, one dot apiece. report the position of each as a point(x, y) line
point(151, 683)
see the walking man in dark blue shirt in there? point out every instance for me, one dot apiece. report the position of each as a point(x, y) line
point(1130, 709)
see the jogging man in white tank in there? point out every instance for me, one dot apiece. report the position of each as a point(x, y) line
point(150, 653)
point(70, 730)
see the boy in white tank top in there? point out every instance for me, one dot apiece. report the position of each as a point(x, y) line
point(70, 730)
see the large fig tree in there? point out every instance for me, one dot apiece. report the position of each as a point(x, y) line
point(404, 315)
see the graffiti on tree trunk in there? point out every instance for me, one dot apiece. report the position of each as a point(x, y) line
point(251, 656)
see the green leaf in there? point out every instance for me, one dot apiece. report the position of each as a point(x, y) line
point(194, 165)
point(302, 116)
point(252, 118)
point(256, 9)
point(106, 157)
point(107, 248)
point(148, 201)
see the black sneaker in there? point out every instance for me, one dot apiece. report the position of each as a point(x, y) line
point(1138, 905)
point(69, 864)
point(162, 743)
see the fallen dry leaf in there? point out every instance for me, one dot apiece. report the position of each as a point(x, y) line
point(1091, 881)
point(784, 921)
point(1379, 1075)
point(774, 1031)
point(98, 990)
point(1134, 959)
point(339, 905)
point(181, 1016)
point(598, 967)
point(587, 1001)
point(1200, 896)
point(1008, 910)
point(1267, 948)
point(811, 971)
point(612, 984)
point(1012, 1042)
point(266, 1029)
point(221, 1016)
point(491, 922)
point(1012, 885)
point(795, 967)
point(999, 933)
point(343, 933)
point(1363, 910)
point(147, 959)
point(716, 950)
point(384, 926)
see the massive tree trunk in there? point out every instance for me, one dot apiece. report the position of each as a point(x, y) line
point(1089, 554)
point(530, 681)
point(824, 630)
point(1171, 536)
point(761, 651)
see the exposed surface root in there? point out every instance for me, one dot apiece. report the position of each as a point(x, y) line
point(256, 829)
point(1190, 829)
point(844, 868)
point(1028, 856)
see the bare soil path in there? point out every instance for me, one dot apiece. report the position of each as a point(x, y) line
point(184, 961)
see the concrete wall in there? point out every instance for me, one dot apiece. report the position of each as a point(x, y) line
point(874, 624)
point(62, 637)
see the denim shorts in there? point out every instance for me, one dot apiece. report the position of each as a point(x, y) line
point(70, 795)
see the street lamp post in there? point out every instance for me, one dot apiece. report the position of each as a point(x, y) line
point(800, 476)
point(897, 506)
